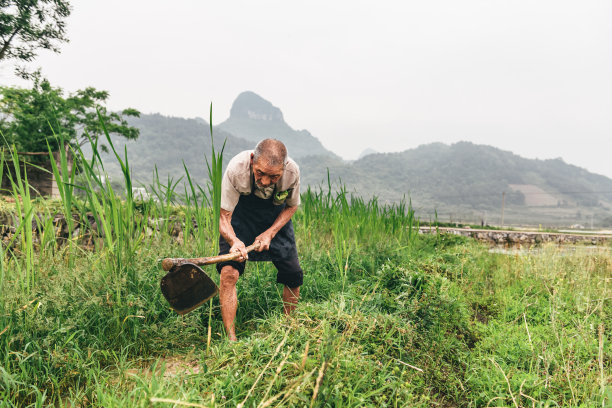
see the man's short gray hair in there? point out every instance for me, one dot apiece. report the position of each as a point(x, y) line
point(272, 151)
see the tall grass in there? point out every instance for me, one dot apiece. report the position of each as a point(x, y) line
point(387, 317)
point(65, 178)
point(197, 214)
point(24, 211)
point(215, 173)
point(166, 196)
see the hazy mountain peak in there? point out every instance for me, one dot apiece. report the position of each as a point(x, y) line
point(250, 106)
point(253, 118)
point(367, 152)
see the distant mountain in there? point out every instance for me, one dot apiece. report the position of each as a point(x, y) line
point(459, 181)
point(366, 152)
point(167, 142)
point(254, 118)
point(470, 178)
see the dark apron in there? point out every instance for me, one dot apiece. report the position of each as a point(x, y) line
point(251, 217)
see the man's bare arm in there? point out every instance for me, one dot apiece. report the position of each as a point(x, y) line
point(283, 218)
point(227, 232)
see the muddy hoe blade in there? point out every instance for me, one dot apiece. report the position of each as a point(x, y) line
point(186, 286)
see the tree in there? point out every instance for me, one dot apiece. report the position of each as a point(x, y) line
point(29, 25)
point(31, 117)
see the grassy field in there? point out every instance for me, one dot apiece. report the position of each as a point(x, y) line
point(387, 317)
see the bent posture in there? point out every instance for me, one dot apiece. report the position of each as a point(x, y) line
point(260, 192)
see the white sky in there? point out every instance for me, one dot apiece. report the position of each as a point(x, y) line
point(533, 77)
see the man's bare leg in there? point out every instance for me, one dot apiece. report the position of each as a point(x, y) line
point(290, 299)
point(228, 299)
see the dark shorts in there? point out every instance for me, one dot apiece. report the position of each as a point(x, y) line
point(289, 272)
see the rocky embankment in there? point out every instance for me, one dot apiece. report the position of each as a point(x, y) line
point(85, 230)
point(513, 238)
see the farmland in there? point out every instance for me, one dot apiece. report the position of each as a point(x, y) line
point(387, 317)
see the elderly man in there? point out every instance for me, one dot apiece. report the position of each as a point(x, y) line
point(260, 192)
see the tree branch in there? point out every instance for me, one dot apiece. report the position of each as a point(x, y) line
point(8, 43)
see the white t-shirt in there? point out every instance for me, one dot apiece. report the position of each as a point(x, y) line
point(238, 179)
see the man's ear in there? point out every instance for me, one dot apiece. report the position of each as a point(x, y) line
point(252, 155)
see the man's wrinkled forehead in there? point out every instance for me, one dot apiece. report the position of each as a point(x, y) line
point(261, 163)
point(268, 170)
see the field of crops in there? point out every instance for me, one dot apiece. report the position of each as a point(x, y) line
point(387, 317)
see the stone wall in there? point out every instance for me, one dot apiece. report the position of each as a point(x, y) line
point(496, 237)
point(40, 174)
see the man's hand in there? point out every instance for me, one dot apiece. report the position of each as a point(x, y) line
point(238, 246)
point(264, 239)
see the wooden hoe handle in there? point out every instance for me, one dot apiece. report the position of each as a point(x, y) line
point(168, 263)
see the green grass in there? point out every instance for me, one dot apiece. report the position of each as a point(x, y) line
point(386, 317)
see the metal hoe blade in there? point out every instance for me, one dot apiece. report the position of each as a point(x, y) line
point(186, 287)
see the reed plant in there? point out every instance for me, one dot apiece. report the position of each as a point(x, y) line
point(24, 211)
point(166, 197)
point(65, 180)
point(215, 174)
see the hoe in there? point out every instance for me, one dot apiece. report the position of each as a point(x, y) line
point(186, 286)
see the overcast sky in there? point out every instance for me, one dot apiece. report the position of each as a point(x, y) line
point(533, 77)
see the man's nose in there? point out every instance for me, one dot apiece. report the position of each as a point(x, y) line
point(265, 181)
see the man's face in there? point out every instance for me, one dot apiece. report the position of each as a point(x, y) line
point(265, 175)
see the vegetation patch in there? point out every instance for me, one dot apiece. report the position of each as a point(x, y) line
point(387, 317)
